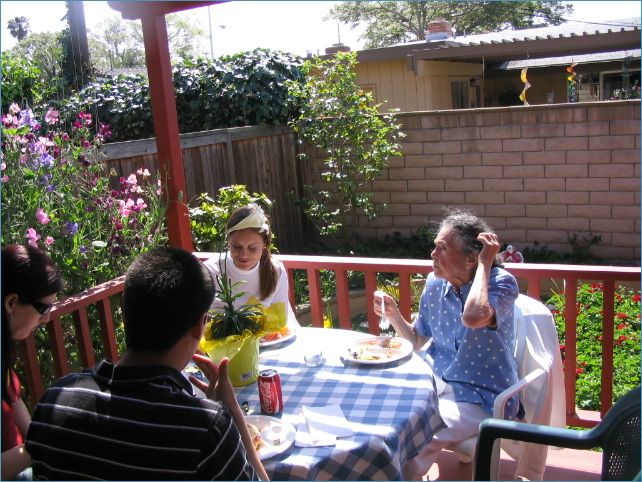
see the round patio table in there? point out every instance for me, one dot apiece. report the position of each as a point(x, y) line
point(391, 408)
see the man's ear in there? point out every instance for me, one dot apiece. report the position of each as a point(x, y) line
point(199, 329)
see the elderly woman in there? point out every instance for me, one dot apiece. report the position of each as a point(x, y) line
point(466, 310)
point(250, 262)
point(30, 283)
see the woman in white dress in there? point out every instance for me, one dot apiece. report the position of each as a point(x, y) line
point(249, 261)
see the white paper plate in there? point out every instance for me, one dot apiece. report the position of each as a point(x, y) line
point(369, 351)
point(264, 424)
point(278, 341)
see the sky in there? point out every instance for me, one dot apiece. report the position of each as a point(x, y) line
point(236, 26)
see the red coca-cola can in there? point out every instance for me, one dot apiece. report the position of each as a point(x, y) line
point(270, 394)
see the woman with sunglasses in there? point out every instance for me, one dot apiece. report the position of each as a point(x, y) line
point(30, 283)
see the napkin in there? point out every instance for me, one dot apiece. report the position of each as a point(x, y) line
point(323, 424)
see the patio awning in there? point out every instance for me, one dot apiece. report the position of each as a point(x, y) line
point(567, 60)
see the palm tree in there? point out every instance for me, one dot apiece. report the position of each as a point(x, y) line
point(18, 27)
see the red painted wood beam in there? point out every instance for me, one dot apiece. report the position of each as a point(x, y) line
point(152, 16)
point(168, 142)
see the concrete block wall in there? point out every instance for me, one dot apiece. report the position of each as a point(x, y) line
point(537, 173)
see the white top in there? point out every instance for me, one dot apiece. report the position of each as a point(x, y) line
point(250, 285)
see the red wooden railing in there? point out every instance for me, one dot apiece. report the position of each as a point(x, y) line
point(532, 277)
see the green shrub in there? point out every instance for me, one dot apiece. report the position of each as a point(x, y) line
point(580, 251)
point(250, 88)
point(626, 352)
point(208, 216)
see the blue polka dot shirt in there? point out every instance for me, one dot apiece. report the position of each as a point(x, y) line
point(477, 363)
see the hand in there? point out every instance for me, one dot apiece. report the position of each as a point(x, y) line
point(490, 247)
point(389, 305)
point(219, 388)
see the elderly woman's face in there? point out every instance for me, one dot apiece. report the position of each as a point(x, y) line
point(246, 248)
point(449, 260)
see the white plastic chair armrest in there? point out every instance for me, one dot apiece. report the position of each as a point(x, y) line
point(500, 401)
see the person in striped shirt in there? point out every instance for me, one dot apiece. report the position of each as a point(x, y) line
point(139, 418)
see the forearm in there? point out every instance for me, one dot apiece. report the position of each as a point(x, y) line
point(22, 416)
point(246, 438)
point(14, 461)
point(406, 330)
point(478, 312)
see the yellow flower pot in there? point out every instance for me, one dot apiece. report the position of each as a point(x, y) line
point(243, 369)
point(243, 352)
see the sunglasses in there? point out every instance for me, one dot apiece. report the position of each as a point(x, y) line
point(42, 308)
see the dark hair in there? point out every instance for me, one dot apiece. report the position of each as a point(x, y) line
point(167, 291)
point(28, 272)
point(268, 275)
point(468, 226)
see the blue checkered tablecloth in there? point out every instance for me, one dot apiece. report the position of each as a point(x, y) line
point(391, 409)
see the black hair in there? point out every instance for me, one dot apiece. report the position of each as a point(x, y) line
point(167, 291)
point(28, 272)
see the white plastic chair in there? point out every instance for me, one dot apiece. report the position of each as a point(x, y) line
point(540, 387)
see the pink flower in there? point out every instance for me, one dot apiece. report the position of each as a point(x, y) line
point(143, 172)
point(49, 240)
point(41, 216)
point(5, 179)
point(3, 166)
point(140, 204)
point(51, 117)
point(14, 109)
point(32, 236)
point(125, 208)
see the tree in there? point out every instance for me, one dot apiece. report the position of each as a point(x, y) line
point(394, 22)
point(45, 52)
point(119, 43)
point(342, 121)
point(18, 27)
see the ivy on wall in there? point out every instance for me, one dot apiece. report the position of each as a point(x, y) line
point(249, 88)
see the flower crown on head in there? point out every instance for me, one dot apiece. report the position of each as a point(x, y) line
point(256, 219)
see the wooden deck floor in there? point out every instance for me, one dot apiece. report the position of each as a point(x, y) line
point(561, 464)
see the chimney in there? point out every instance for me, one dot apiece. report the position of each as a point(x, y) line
point(336, 48)
point(439, 29)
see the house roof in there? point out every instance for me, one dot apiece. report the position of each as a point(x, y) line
point(571, 38)
point(568, 59)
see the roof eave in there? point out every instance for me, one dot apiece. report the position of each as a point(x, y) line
point(516, 49)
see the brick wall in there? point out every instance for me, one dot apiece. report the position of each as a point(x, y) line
point(538, 173)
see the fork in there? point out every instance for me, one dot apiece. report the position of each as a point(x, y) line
point(384, 324)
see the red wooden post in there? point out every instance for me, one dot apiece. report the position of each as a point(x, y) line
point(168, 141)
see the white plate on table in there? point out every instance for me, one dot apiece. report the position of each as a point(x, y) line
point(265, 424)
point(278, 341)
point(378, 350)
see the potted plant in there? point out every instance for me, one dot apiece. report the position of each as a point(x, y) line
point(234, 331)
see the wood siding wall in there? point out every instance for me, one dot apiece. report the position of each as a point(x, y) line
point(261, 158)
point(537, 173)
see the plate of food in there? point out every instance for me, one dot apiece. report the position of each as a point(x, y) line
point(378, 350)
point(271, 436)
point(276, 337)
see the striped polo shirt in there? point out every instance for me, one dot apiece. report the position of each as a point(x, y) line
point(134, 423)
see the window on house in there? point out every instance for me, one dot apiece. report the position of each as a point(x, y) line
point(459, 93)
point(465, 93)
point(612, 81)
